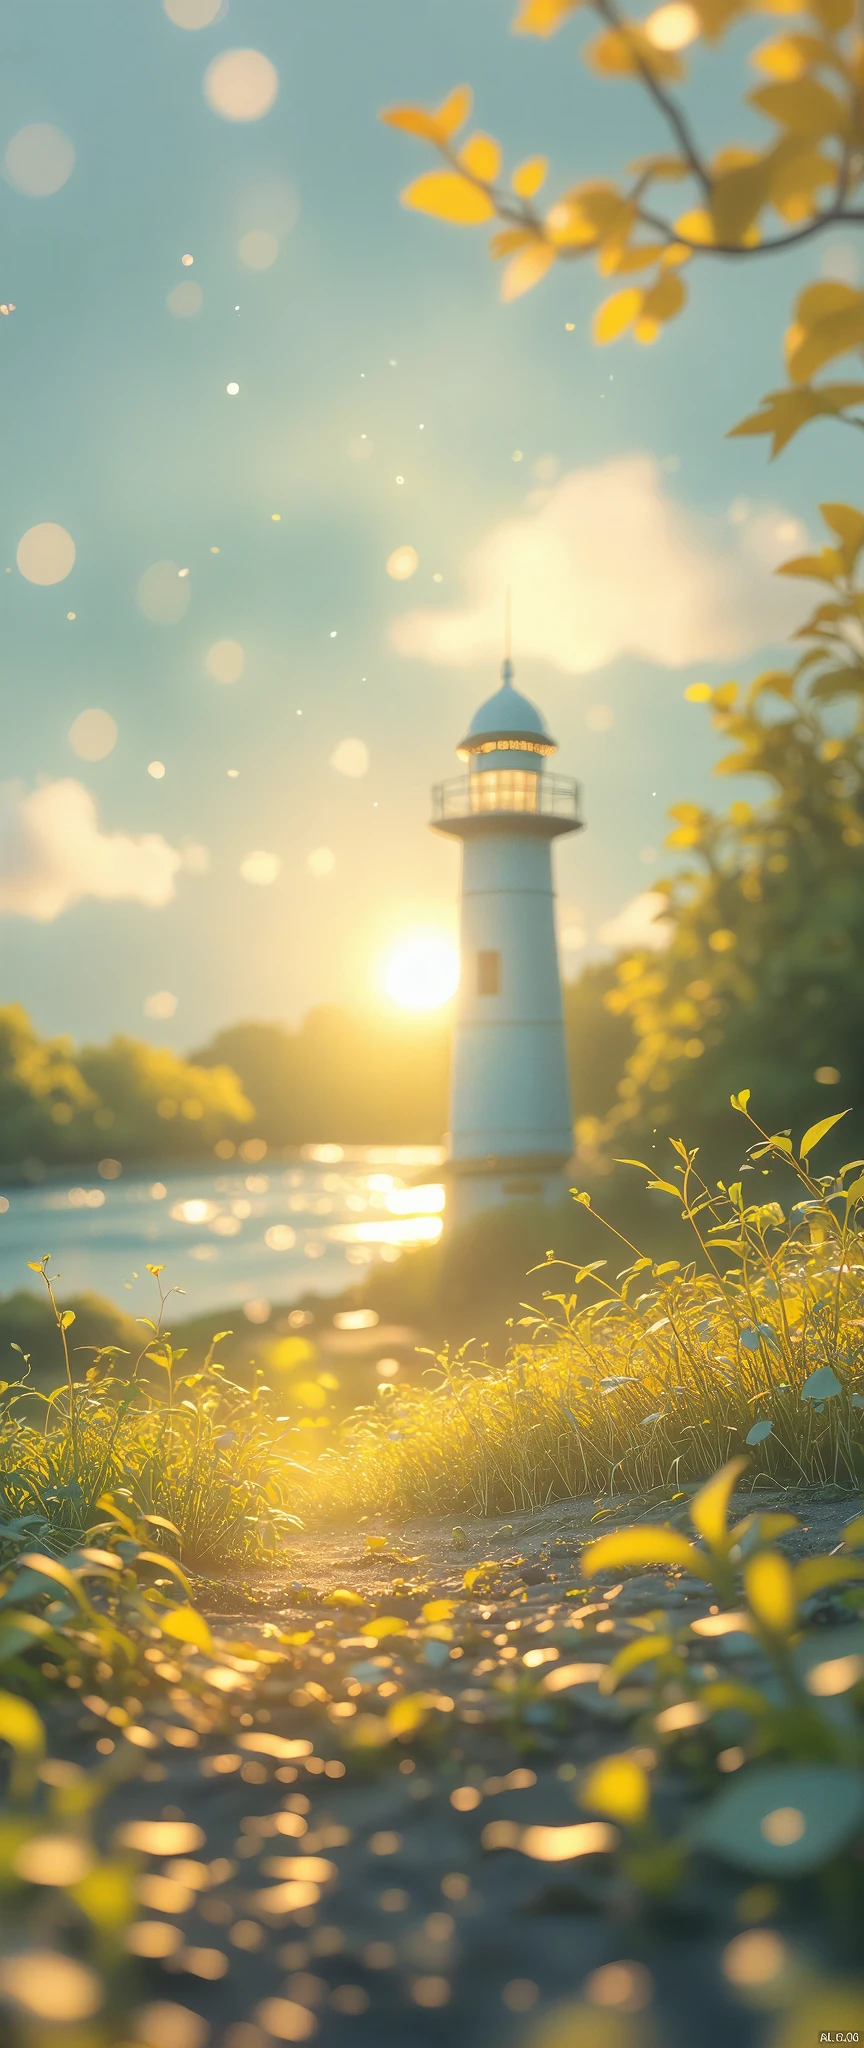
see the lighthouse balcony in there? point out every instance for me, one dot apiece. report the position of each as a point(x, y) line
point(541, 802)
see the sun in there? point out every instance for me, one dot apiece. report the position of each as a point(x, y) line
point(421, 972)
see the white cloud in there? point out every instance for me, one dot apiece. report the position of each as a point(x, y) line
point(614, 563)
point(52, 853)
point(640, 924)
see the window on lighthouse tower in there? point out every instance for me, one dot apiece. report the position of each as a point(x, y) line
point(488, 973)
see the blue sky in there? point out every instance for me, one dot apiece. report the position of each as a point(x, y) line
point(117, 425)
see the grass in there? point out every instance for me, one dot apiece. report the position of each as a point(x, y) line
point(651, 1377)
point(648, 1379)
point(185, 1446)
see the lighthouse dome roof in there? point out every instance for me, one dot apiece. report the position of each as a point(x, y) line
point(507, 715)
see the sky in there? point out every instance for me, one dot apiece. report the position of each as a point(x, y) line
point(236, 446)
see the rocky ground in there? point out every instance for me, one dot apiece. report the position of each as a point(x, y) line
point(327, 1871)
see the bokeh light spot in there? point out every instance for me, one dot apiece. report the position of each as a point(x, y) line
point(156, 769)
point(161, 1005)
point(38, 160)
point(261, 868)
point(402, 563)
point(50, 1985)
point(224, 661)
point(45, 553)
point(241, 85)
point(193, 14)
point(321, 861)
point(674, 26)
point(92, 735)
point(350, 758)
point(258, 249)
point(163, 594)
point(185, 300)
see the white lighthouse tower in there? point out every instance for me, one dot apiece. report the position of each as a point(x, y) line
point(510, 1117)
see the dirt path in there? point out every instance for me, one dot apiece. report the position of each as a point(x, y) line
point(392, 1890)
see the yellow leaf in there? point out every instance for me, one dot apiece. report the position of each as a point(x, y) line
point(796, 179)
point(853, 1533)
point(481, 155)
point(803, 106)
point(817, 1132)
point(447, 196)
point(543, 17)
point(342, 1596)
point(409, 1713)
point(709, 1507)
point(643, 1545)
point(481, 1572)
point(186, 1625)
point(526, 269)
point(21, 1726)
point(439, 1610)
point(848, 524)
point(529, 176)
point(414, 120)
point(385, 1625)
point(770, 1587)
point(833, 14)
point(834, 336)
point(716, 15)
point(818, 1572)
point(699, 693)
point(696, 226)
point(665, 298)
point(615, 261)
point(789, 56)
point(618, 1787)
point(617, 314)
point(622, 52)
point(646, 331)
point(433, 127)
point(454, 111)
point(106, 1895)
point(737, 197)
point(508, 239)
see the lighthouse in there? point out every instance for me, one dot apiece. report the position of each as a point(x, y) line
point(510, 1116)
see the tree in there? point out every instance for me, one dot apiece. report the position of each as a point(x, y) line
point(140, 1101)
point(153, 1102)
point(46, 1106)
point(762, 979)
point(376, 1080)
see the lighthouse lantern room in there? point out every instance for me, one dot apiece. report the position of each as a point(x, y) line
point(510, 1115)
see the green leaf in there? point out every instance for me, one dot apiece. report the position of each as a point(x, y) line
point(782, 1819)
point(48, 1568)
point(822, 1385)
point(817, 1132)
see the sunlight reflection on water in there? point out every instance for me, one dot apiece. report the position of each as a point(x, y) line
point(225, 1236)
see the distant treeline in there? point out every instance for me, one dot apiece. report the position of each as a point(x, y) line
point(338, 1077)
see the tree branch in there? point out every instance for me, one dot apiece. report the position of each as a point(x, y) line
point(671, 114)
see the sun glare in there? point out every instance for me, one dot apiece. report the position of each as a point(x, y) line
point(422, 971)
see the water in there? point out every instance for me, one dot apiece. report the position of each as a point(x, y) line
point(230, 1237)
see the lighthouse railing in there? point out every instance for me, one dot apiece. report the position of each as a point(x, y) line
point(506, 791)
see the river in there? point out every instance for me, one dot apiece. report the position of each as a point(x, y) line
point(239, 1236)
